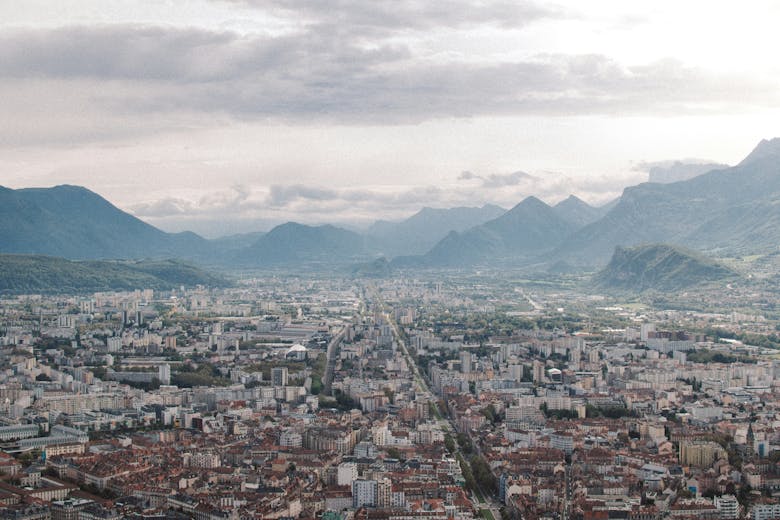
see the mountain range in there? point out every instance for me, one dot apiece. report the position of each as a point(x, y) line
point(729, 210)
point(75, 223)
point(725, 211)
point(516, 236)
point(417, 234)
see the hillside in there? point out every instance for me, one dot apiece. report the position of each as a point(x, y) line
point(658, 267)
point(73, 222)
point(44, 274)
point(379, 268)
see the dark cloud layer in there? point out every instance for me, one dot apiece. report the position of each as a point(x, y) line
point(324, 74)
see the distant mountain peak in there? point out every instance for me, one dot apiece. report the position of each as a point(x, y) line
point(75, 222)
point(572, 200)
point(577, 212)
point(70, 187)
point(530, 202)
point(767, 148)
point(295, 243)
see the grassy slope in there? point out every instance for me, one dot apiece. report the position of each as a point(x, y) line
point(32, 273)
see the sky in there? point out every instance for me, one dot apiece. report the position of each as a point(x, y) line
point(227, 116)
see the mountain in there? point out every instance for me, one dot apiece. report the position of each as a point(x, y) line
point(676, 171)
point(606, 208)
point(75, 223)
point(379, 268)
point(526, 230)
point(732, 211)
point(658, 267)
point(420, 232)
point(234, 243)
point(726, 211)
point(296, 244)
point(44, 274)
point(577, 212)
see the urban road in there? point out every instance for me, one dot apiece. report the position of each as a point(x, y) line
point(332, 353)
point(489, 509)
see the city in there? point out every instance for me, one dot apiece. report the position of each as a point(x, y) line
point(320, 397)
point(389, 260)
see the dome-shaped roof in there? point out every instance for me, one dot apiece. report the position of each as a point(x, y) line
point(297, 348)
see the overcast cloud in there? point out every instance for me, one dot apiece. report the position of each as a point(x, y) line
point(286, 109)
point(323, 74)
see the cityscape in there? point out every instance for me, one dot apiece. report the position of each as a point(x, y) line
point(389, 260)
point(449, 396)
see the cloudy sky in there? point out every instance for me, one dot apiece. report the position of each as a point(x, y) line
point(231, 115)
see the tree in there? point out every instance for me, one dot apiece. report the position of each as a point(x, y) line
point(465, 443)
point(29, 457)
point(449, 443)
point(744, 495)
point(481, 471)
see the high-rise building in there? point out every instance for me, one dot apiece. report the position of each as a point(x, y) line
point(465, 361)
point(538, 372)
point(647, 331)
point(384, 493)
point(279, 376)
point(364, 493)
point(164, 374)
point(347, 473)
point(114, 343)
